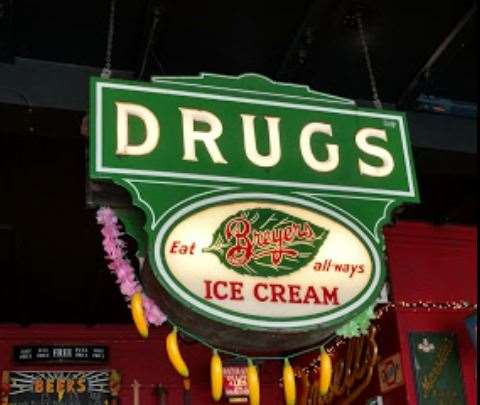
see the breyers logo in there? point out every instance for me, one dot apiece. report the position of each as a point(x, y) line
point(266, 243)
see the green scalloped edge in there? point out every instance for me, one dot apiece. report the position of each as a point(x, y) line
point(357, 326)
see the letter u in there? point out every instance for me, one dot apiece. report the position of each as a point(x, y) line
point(250, 143)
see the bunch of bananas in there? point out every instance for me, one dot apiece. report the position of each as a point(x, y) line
point(138, 314)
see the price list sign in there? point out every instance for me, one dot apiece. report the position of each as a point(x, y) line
point(60, 354)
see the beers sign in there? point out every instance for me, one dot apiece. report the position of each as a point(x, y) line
point(51, 387)
point(264, 201)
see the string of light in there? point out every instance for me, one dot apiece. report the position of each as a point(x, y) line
point(429, 305)
point(421, 305)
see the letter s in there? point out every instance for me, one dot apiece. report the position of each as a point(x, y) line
point(387, 160)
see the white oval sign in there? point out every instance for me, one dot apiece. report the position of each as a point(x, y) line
point(267, 262)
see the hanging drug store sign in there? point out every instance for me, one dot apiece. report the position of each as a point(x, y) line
point(264, 201)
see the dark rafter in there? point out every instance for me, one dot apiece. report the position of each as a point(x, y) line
point(407, 93)
point(311, 19)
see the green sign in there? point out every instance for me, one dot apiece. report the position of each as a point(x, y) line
point(264, 201)
point(437, 369)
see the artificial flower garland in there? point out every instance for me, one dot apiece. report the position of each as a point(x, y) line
point(119, 265)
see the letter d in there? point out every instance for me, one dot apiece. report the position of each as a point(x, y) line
point(152, 129)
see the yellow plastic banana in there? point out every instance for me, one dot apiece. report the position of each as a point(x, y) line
point(253, 384)
point(138, 314)
point(174, 355)
point(289, 388)
point(325, 372)
point(216, 376)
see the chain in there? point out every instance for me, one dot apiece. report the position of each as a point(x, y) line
point(148, 48)
point(107, 70)
point(376, 99)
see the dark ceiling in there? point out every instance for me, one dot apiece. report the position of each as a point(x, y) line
point(315, 42)
point(50, 248)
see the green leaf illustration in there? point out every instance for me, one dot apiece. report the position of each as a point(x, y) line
point(266, 243)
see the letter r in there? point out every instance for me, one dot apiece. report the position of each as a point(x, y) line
point(191, 135)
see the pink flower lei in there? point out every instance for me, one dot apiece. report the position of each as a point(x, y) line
point(121, 267)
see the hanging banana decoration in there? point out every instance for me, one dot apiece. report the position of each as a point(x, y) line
point(216, 376)
point(289, 388)
point(138, 314)
point(174, 355)
point(253, 383)
point(325, 372)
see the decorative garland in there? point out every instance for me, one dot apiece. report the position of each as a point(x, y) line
point(119, 265)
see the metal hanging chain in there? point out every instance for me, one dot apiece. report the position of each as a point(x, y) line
point(376, 99)
point(150, 41)
point(107, 70)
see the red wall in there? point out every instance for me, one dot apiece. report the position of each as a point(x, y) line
point(437, 264)
point(425, 262)
point(143, 360)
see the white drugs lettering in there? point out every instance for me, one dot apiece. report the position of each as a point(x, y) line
point(191, 135)
point(250, 144)
point(333, 158)
point(361, 139)
point(152, 129)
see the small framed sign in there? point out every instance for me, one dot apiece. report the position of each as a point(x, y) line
point(390, 373)
point(60, 354)
point(235, 382)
